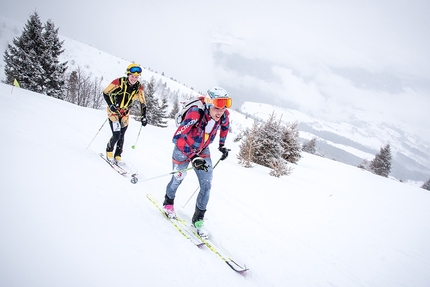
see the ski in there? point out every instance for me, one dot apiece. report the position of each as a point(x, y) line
point(121, 170)
point(187, 231)
point(227, 259)
point(178, 224)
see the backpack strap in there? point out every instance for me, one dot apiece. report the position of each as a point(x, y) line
point(123, 84)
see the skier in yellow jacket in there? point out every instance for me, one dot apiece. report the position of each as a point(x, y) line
point(119, 95)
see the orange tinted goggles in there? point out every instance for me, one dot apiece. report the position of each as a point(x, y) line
point(220, 103)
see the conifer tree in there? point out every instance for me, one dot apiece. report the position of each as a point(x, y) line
point(364, 164)
point(426, 185)
point(290, 143)
point(309, 146)
point(151, 104)
point(249, 141)
point(53, 69)
point(33, 59)
point(279, 167)
point(22, 59)
point(270, 142)
point(159, 114)
point(381, 164)
point(156, 110)
point(175, 109)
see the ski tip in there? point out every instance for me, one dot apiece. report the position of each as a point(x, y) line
point(236, 267)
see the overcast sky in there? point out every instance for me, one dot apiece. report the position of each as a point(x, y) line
point(320, 56)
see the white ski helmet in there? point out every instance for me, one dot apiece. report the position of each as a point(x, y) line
point(217, 97)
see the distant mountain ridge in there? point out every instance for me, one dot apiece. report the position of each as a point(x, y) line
point(351, 142)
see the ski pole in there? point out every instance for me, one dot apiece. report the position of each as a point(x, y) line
point(198, 186)
point(97, 132)
point(173, 172)
point(134, 146)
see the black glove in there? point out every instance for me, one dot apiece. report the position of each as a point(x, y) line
point(199, 163)
point(224, 151)
point(113, 109)
point(143, 120)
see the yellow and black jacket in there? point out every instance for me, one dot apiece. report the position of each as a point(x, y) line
point(121, 94)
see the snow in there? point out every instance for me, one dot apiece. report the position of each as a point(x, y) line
point(67, 219)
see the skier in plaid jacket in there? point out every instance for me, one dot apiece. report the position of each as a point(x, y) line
point(192, 139)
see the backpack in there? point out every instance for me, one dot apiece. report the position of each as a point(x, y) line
point(179, 116)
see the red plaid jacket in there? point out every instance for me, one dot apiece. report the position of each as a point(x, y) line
point(189, 137)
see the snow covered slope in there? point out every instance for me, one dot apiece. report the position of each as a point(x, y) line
point(67, 219)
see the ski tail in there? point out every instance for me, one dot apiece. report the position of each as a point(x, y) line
point(121, 169)
point(113, 165)
point(236, 267)
point(177, 224)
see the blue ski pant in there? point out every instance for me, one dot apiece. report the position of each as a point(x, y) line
point(205, 178)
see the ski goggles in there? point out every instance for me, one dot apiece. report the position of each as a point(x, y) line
point(220, 103)
point(135, 70)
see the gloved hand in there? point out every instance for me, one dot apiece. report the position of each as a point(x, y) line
point(144, 121)
point(113, 109)
point(224, 151)
point(199, 163)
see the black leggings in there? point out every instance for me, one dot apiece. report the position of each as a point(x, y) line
point(117, 138)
